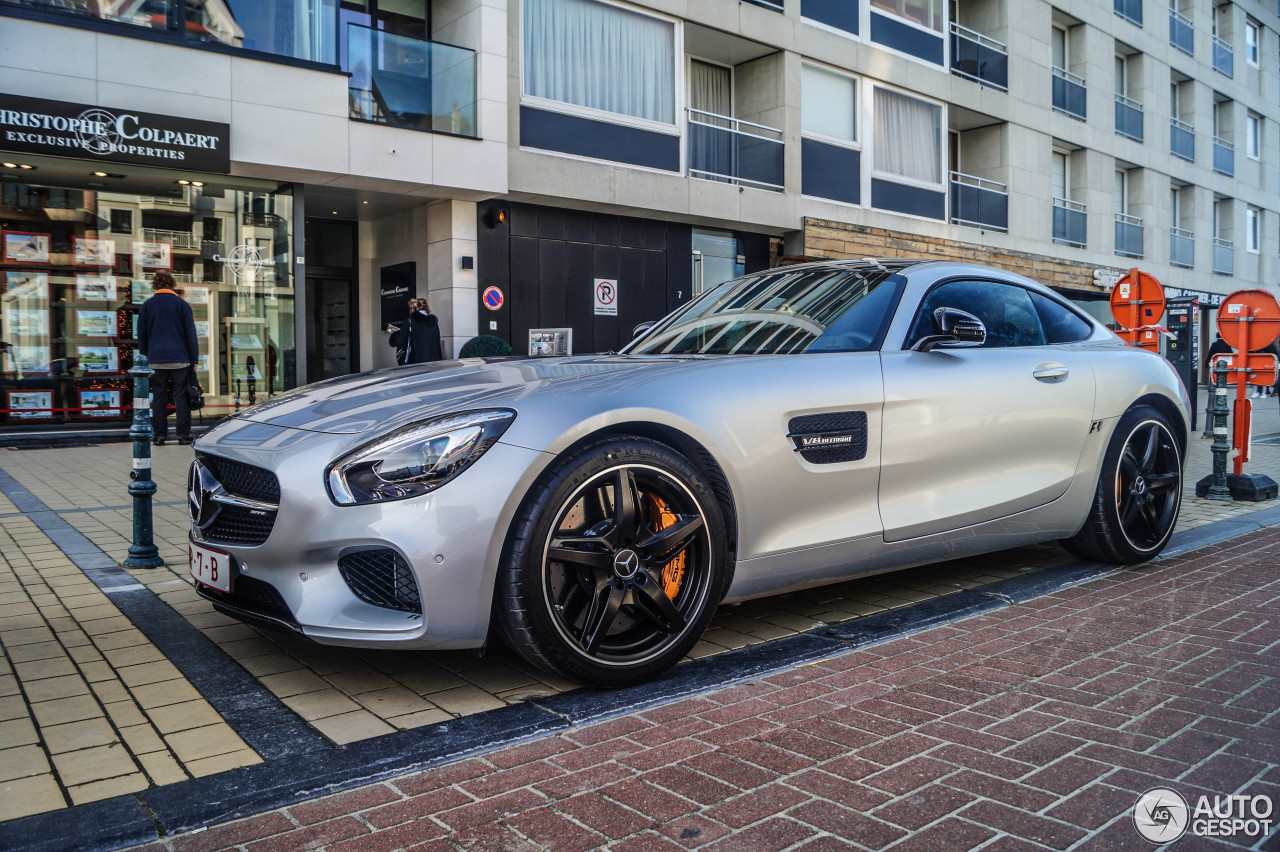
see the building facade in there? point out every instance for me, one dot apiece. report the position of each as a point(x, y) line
point(554, 172)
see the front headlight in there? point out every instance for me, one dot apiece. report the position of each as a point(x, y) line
point(416, 459)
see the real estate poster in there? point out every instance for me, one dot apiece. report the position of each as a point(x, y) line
point(100, 403)
point(140, 289)
point(96, 323)
point(152, 255)
point(98, 359)
point(30, 405)
point(29, 359)
point(196, 295)
point(20, 286)
point(90, 251)
point(25, 322)
point(95, 288)
point(25, 247)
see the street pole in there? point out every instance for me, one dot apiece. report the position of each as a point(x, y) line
point(1221, 445)
point(143, 553)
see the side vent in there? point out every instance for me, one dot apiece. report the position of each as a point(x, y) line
point(838, 436)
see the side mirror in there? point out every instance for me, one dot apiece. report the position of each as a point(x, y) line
point(639, 330)
point(957, 329)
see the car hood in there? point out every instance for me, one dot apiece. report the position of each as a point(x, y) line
point(383, 400)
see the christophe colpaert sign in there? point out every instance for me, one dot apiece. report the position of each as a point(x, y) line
point(38, 126)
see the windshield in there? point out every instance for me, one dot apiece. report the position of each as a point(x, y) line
point(782, 312)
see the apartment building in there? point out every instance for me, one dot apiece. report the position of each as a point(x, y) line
point(554, 172)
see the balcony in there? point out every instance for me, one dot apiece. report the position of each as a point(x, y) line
point(981, 59)
point(1130, 10)
point(1182, 248)
point(979, 203)
point(1182, 140)
point(1223, 58)
point(1128, 117)
point(253, 219)
point(411, 83)
point(733, 151)
point(178, 239)
point(1224, 156)
point(1224, 257)
point(1068, 93)
point(1181, 34)
point(1069, 222)
point(184, 278)
point(1129, 233)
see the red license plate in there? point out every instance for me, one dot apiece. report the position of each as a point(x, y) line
point(211, 567)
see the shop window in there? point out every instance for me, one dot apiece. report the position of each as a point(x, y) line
point(76, 266)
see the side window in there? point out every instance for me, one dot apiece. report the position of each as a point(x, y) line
point(1061, 325)
point(1006, 311)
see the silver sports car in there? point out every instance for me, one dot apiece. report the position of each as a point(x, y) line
point(791, 428)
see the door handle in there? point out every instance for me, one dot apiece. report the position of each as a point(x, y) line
point(1050, 370)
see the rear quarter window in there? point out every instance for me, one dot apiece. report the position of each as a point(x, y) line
point(1060, 323)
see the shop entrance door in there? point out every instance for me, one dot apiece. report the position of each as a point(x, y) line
point(330, 304)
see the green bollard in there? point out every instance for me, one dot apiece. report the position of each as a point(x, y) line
point(143, 553)
point(1221, 443)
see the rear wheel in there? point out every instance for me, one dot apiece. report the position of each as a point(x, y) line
point(615, 564)
point(1139, 493)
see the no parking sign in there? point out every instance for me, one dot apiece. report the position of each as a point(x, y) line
point(606, 297)
point(492, 298)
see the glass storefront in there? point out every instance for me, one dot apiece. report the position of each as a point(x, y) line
point(77, 264)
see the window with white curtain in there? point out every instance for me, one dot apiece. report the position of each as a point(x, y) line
point(828, 103)
point(1253, 135)
point(926, 13)
point(604, 57)
point(1252, 228)
point(908, 137)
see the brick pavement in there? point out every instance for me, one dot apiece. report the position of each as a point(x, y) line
point(1034, 728)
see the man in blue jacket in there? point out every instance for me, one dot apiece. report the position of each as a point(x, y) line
point(167, 336)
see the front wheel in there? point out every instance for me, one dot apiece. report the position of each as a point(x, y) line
point(615, 564)
point(1139, 493)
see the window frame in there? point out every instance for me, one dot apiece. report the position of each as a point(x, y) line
point(1253, 135)
point(1252, 42)
point(1252, 229)
point(858, 111)
point(944, 173)
point(679, 82)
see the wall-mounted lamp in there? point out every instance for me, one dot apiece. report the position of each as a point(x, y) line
point(468, 262)
point(493, 217)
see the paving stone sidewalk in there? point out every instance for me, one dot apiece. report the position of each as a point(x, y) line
point(1034, 728)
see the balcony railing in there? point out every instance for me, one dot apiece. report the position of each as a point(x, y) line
point(1182, 248)
point(1181, 34)
point(1069, 222)
point(979, 203)
point(1224, 257)
point(1182, 139)
point(261, 220)
point(1224, 156)
point(1223, 57)
point(979, 58)
point(182, 199)
point(1068, 93)
point(184, 278)
point(1129, 233)
point(1128, 117)
point(1130, 10)
point(734, 151)
point(179, 239)
point(410, 82)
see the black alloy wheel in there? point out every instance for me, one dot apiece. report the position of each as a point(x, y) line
point(1148, 485)
point(1139, 491)
point(622, 574)
point(614, 565)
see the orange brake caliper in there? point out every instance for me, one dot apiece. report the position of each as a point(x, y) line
point(673, 571)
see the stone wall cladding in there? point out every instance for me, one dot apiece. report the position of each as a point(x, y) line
point(825, 238)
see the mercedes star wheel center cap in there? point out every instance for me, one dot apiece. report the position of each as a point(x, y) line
point(626, 564)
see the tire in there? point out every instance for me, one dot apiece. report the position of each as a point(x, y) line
point(606, 592)
point(1139, 493)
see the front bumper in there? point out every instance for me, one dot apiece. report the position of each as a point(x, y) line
point(451, 539)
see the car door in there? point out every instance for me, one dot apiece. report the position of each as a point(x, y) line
point(971, 435)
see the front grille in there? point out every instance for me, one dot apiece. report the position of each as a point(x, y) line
point(254, 596)
point(382, 578)
point(238, 525)
point(244, 480)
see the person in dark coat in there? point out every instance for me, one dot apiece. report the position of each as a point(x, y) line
point(1218, 347)
point(419, 335)
point(167, 336)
